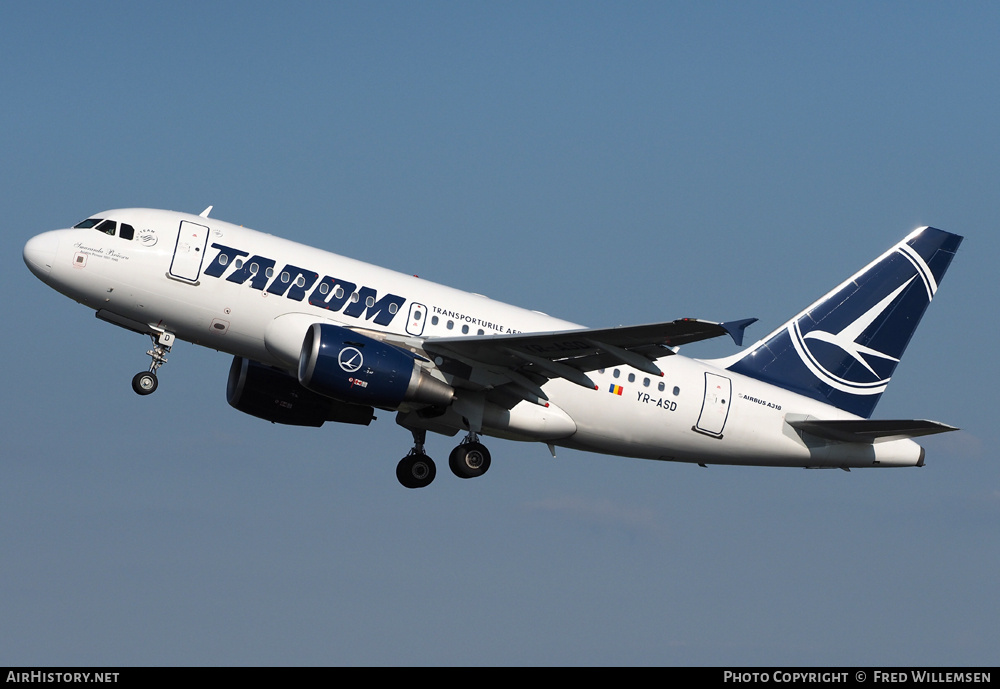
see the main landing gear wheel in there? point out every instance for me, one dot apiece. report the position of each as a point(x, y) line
point(469, 460)
point(144, 382)
point(416, 470)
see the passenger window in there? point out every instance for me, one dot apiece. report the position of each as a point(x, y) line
point(661, 387)
point(126, 232)
point(631, 377)
point(465, 329)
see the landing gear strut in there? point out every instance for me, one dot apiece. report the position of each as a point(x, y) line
point(144, 382)
point(416, 470)
point(470, 459)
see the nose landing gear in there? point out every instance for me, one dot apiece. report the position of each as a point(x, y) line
point(144, 382)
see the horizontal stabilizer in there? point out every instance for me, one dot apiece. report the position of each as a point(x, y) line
point(870, 430)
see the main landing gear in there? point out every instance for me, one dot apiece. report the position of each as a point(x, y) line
point(416, 469)
point(468, 460)
point(144, 382)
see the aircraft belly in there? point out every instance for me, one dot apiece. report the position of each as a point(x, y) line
point(525, 422)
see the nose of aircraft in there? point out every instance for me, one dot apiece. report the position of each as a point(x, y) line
point(40, 253)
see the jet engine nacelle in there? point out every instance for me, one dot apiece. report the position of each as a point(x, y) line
point(347, 366)
point(275, 396)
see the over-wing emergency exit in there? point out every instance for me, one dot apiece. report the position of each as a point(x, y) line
point(318, 337)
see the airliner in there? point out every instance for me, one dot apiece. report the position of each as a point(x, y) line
point(317, 337)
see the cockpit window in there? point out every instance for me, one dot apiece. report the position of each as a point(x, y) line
point(107, 227)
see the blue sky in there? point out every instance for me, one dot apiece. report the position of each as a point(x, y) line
point(606, 163)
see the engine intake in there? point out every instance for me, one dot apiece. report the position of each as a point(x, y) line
point(347, 366)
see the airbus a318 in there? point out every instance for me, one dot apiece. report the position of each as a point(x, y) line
point(318, 337)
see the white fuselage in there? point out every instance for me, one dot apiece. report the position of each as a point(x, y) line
point(696, 412)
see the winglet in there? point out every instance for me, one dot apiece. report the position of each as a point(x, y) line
point(736, 328)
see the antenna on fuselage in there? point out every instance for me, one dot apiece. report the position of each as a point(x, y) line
point(205, 212)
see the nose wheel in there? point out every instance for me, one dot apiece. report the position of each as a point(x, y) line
point(145, 382)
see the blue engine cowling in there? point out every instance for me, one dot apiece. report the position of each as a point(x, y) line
point(347, 366)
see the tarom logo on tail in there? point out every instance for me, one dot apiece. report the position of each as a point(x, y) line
point(844, 348)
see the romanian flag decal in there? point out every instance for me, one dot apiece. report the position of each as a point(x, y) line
point(615, 389)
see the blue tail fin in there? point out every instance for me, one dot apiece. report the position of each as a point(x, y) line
point(844, 348)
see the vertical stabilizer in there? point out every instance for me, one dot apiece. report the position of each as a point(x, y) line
point(844, 348)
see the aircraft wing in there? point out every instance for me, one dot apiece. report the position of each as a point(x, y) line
point(528, 359)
